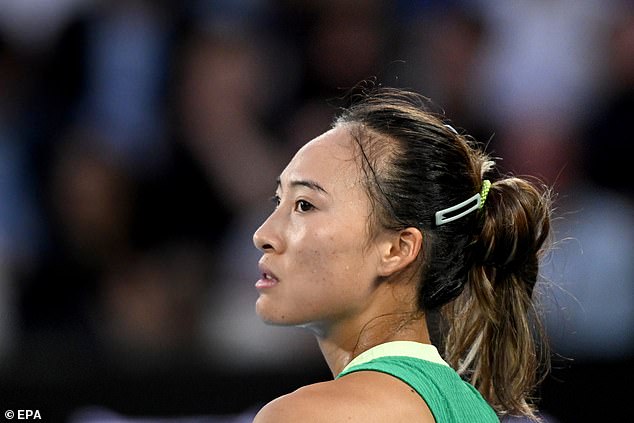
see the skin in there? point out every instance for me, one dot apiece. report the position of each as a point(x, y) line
point(353, 289)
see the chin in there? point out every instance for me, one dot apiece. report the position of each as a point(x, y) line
point(270, 316)
point(281, 318)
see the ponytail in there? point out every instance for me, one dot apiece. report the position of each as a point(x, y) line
point(478, 266)
point(494, 338)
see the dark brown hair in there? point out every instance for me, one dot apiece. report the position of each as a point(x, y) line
point(480, 270)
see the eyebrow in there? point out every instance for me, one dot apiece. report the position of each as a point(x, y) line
point(304, 183)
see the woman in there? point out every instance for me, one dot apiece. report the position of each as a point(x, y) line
point(380, 221)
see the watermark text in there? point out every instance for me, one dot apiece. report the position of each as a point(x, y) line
point(23, 415)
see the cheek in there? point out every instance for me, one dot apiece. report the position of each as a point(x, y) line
point(315, 263)
point(336, 263)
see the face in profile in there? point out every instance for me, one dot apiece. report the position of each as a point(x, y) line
point(318, 262)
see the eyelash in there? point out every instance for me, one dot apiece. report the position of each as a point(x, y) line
point(299, 204)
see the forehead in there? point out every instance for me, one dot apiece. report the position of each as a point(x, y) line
point(330, 159)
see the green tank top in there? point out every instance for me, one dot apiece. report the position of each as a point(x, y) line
point(450, 399)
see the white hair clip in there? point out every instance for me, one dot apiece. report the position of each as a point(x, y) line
point(445, 215)
point(442, 215)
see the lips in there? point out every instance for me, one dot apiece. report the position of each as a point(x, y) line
point(267, 278)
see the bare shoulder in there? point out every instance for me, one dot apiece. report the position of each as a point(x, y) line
point(358, 397)
point(301, 405)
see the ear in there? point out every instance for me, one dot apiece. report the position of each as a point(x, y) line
point(399, 249)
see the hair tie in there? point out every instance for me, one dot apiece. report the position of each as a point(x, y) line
point(486, 186)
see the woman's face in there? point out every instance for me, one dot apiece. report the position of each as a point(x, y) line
point(318, 265)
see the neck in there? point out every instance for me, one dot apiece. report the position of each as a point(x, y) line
point(341, 345)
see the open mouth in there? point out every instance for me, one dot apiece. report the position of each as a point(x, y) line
point(267, 279)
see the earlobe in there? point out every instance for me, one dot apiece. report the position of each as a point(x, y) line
point(400, 250)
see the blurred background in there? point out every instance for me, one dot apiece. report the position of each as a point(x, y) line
point(140, 141)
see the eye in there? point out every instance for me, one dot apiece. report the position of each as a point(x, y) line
point(276, 200)
point(303, 206)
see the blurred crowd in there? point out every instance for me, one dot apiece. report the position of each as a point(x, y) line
point(140, 142)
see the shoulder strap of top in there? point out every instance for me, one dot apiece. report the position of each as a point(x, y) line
point(449, 398)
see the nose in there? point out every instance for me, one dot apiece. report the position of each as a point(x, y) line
point(266, 238)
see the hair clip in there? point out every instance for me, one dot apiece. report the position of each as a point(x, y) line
point(442, 215)
point(445, 215)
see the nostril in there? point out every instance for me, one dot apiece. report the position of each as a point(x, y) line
point(265, 241)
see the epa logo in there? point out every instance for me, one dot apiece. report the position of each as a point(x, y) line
point(23, 414)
